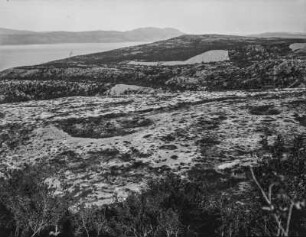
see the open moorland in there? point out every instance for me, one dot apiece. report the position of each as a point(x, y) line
point(104, 146)
point(162, 137)
point(188, 62)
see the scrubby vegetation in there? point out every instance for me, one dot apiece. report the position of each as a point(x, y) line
point(16, 90)
point(13, 135)
point(281, 179)
point(254, 64)
point(105, 126)
point(186, 46)
point(268, 201)
point(48, 83)
point(29, 206)
point(265, 200)
point(264, 110)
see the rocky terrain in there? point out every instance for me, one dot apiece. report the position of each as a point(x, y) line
point(107, 122)
point(184, 63)
point(107, 145)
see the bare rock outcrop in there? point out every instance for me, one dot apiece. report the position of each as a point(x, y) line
point(122, 89)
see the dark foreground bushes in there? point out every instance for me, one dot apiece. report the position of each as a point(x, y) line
point(28, 204)
point(280, 179)
point(208, 203)
point(167, 207)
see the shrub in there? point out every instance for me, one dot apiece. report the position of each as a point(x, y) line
point(264, 110)
point(31, 202)
point(203, 204)
point(281, 180)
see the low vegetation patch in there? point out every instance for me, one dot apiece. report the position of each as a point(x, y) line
point(210, 124)
point(25, 90)
point(301, 119)
point(102, 127)
point(264, 110)
point(13, 135)
point(205, 203)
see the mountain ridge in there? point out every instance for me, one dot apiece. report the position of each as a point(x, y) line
point(7, 31)
point(147, 34)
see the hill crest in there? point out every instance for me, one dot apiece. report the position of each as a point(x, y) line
point(149, 34)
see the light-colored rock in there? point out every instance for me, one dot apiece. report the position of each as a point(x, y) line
point(122, 89)
point(214, 129)
point(207, 57)
point(298, 46)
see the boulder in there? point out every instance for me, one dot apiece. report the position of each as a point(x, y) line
point(123, 89)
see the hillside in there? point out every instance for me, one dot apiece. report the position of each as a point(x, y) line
point(107, 145)
point(187, 46)
point(13, 37)
point(188, 62)
point(101, 130)
point(5, 31)
point(285, 35)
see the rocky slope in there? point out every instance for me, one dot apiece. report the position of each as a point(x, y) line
point(142, 121)
point(249, 63)
point(40, 83)
point(103, 146)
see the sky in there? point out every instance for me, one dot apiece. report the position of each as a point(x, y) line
point(189, 16)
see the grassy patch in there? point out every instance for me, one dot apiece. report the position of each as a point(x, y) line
point(13, 135)
point(264, 110)
point(103, 127)
point(301, 119)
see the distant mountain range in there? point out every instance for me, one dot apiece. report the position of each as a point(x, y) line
point(281, 35)
point(149, 34)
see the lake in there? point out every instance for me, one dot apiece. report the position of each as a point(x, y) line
point(26, 55)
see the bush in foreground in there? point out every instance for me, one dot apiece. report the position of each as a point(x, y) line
point(204, 204)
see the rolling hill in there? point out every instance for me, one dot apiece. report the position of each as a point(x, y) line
point(207, 109)
point(184, 47)
point(6, 31)
point(285, 35)
point(188, 62)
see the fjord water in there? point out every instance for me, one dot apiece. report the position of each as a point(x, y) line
point(26, 55)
